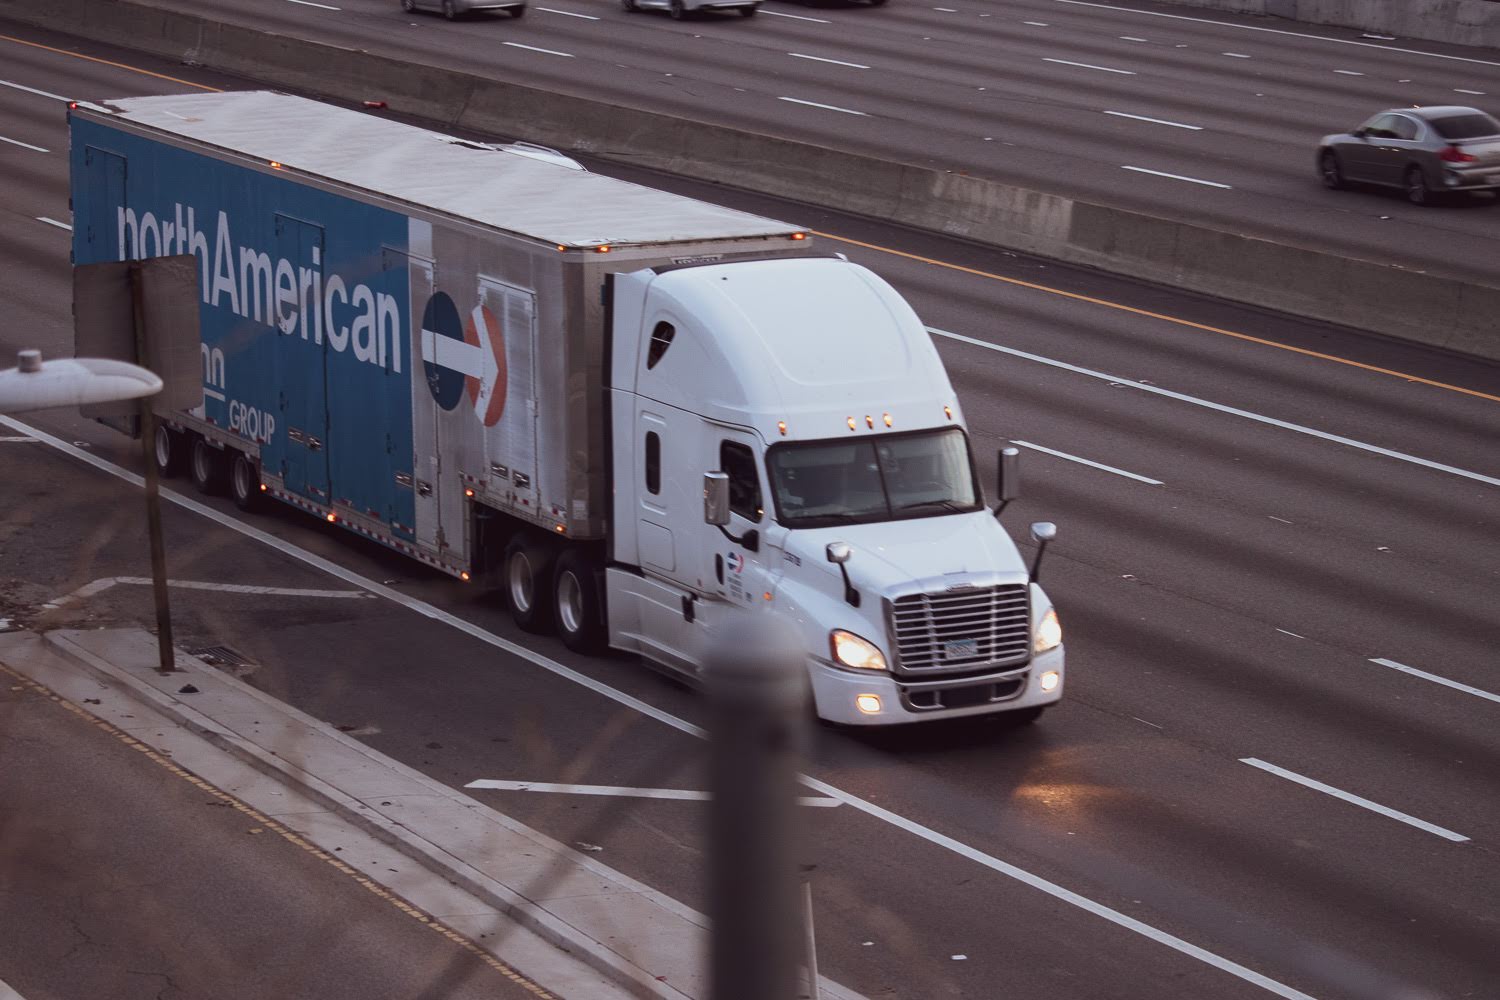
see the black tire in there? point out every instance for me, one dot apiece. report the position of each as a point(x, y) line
point(677, 10)
point(578, 603)
point(1414, 183)
point(1330, 171)
point(171, 452)
point(208, 467)
point(448, 10)
point(748, 11)
point(244, 482)
point(526, 581)
point(518, 11)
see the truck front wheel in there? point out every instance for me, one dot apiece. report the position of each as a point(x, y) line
point(577, 611)
point(527, 583)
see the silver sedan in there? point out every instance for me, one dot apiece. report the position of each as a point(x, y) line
point(1423, 151)
point(452, 9)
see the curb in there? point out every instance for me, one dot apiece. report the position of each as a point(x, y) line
point(1408, 305)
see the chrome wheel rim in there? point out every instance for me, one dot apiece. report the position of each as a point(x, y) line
point(570, 602)
point(521, 594)
point(163, 447)
point(242, 485)
point(200, 464)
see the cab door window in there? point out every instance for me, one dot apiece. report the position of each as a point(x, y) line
point(738, 462)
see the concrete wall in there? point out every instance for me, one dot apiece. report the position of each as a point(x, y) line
point(1462, 22)
point(1384, 299)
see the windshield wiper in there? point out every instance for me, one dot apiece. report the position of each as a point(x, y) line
point(957, 508)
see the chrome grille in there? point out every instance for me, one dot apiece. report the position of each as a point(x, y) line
point(962, 629)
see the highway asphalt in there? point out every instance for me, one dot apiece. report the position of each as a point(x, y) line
point(1205, 116)
point(1275, 770)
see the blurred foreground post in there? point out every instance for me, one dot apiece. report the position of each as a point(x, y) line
point(165, 649)
point(756, 686)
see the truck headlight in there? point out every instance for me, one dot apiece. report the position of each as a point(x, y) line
point(852, 651)
point(1048, 633)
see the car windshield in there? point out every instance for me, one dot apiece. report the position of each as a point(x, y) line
point(822, 483)
point(1470, 126)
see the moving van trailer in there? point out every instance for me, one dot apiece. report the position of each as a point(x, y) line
point(633, 410)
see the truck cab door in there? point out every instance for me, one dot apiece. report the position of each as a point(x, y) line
point(738, 554)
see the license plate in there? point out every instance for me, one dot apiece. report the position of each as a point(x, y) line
point(961, 649)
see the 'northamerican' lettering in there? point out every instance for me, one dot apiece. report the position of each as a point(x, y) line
point(294, 298)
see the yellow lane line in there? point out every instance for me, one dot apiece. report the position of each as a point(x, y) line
point(107, 62)
point(267, 823)
point(1160, 316)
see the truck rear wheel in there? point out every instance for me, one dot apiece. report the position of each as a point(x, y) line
point(207, 467)
point(244, 482)
point(577, 605)
point(171, 451)
point(527, 583)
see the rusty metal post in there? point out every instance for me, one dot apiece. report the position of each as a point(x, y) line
point(755, 681)
point(165, 646)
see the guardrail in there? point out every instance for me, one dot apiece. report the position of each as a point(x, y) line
point(1403, 304)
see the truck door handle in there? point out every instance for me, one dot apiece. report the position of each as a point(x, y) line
point(719, 567)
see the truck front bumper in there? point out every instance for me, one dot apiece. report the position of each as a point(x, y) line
point(845, 697)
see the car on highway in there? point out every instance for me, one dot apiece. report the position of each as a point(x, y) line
point(680, 9)
point(1424, 151)
point(453, 9)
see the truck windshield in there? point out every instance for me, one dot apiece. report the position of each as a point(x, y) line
point(823, 483)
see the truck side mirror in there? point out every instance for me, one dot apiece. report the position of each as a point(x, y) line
point(1042, 532)
point(840, 553)
point(716, 498)
point(1008, 478)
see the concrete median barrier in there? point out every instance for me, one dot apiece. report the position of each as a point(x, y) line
point(1403, 304)
point(1461, 22)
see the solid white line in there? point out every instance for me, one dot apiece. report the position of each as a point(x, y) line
point(836, 62)
point(1220, 407)
point(1455, 685)
point(666, 718)
point(567, 13)
point(615, 790)
point(1279, 31)
point(1337, 793)
point(1281, 519)
point(309, 3)
point(104, 583)
point(1476, 93)
point(1131, 38)
point(1178, 177)
point(7, 993)
point(1236, 55)
point(1102, 69)
point(1294, 635)
point(1092, 465)
point(33, 90)
point(24, 145)
point(826, 107)
point(533, 48)
point(946, 10)
point(1155, 121)
point(796, 17)
point(18, 439)
point(1347, 72)
point(1037, 24)
point(54, 222)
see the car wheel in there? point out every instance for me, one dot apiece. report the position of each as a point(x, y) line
point(1415, 183)
point(527, 583)
point(170, 450)
point(448, 10)
point(409, 5)
point(1330, 171)
point(244, 482)
point(677, 10)
point(577, 610)
point(207, 467)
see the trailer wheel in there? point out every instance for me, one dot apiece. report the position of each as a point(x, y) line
point(577, 605)
point(527, 583)
point(170, 450)
point(207, 467)
point(244, 482)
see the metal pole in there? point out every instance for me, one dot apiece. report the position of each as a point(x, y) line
point(755, 682)
point(153, 494)
point(811, 961)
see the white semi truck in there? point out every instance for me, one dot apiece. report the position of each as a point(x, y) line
point(632, 410)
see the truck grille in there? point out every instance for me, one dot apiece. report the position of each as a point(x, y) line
point(965, 629)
